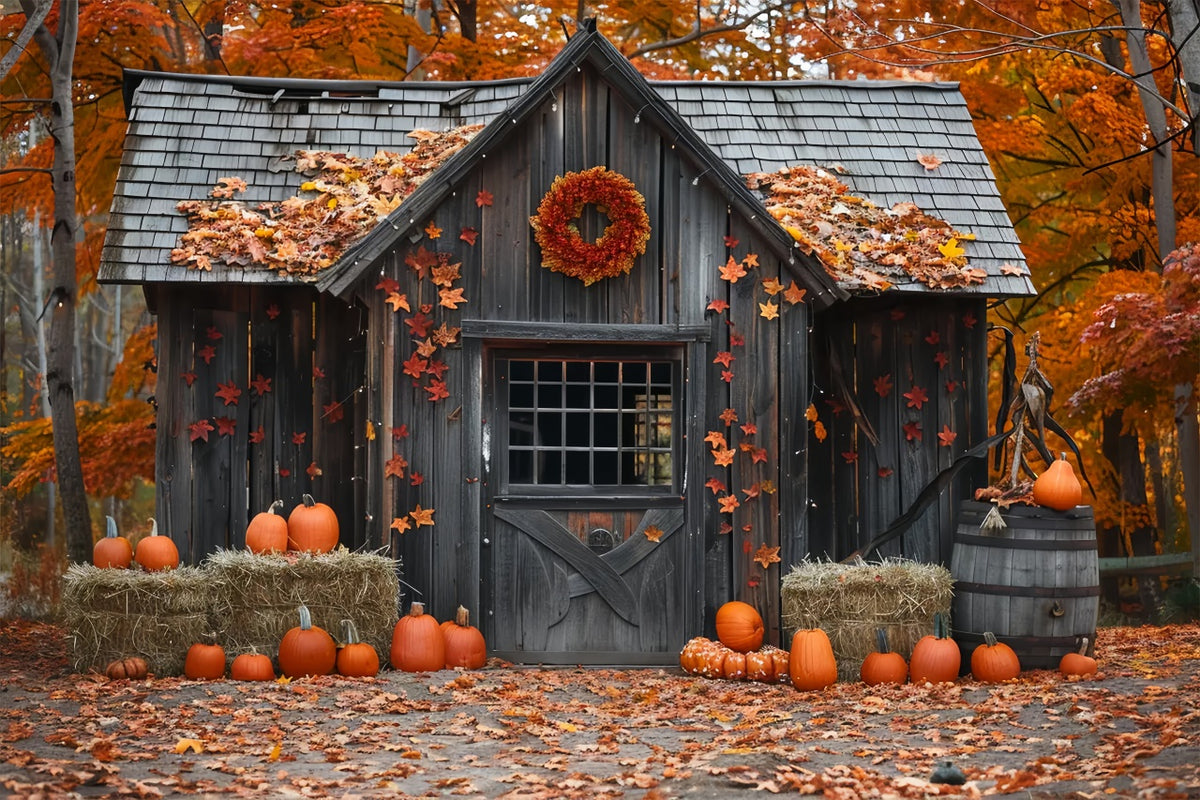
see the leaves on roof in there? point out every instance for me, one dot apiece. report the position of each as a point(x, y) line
point(862, 246)
point(344, 198)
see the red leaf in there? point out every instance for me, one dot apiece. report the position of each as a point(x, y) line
point(199, 430)
point(716, 485)
point(718, 306)
point(946, 436)
point(298, 438)
point(415, 478)
point(437, 390)
point(731, 242)
point(260, 385)
point(933, 337)
point(729, 416)
point(749, 429)
point(225, 426)
point(388, 285)
point(333, 411)
point(213, 334)
point(188, 377)
point(916, 398)
point(883, 386)
point(394, 467)
point(942, 359)
point(313, 470)
point(273, 311)
point(208, 353)
point(912, 430)
point(468, 235)
point(484, 198)
point(257, 435)
point(229, 393)
point(724, 358)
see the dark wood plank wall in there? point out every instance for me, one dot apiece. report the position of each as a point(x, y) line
point(208, 490)
point(858, 488)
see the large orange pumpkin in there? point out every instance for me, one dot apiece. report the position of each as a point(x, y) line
point(252, 666)
point(205, 660)
point(465, 646)
point(112, 550)
point(994, 661)
point(268, 531)
point(739, 626)
point(812, 664)
point(312, 527)
point(1057, 487)
point(306, 649)
point(156, 552)
point(935, 657)
point(418, 644)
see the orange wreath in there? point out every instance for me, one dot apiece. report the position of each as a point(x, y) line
point(556, 231)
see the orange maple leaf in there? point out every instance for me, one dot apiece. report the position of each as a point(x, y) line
point(724, 358)
point(653, 533)
point(422, 516)
point(716, 439)
point(1011, 269)
point(727, 375)
point(715, 484)
point(728, 503)
point(468, 235)
point(767, 555)
point(729, 416)
point(722, 456)
point(819, 431)
point(758, 455)
point(732, 271)
point(916, 398)
point(394, 467)
point(749, 429)
point(772, 286)
point(445, 335)
point(398, 301)
point(260, 385)
point(731, 242)
point(810, 413)
point(750, 260)
point(425, 348)
point(794, 294)
point(717, 306)
point(415, 366)
point(768, 310)
point(313, 470)
point(400, 524)
point(388, 285)
point(446, 274)
point(432, 230)
point(883, 385)
point(229, 392)
point(451, 298)
point(437, 390)
point(752, 492)
point(946, 436)
point(484, 198)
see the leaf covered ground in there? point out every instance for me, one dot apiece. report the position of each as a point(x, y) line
point(1132, 731)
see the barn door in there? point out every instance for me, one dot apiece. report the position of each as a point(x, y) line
point(589, 558)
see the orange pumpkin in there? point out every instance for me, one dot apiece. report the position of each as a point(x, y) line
point(306, 649)
point(356, 658)
point(268, 531)
point(1078, 663)
point(994, 661)
point(465, 646)
point(935, 657)
point(760, 665)
point(112, 551)
point(783, 660)
point(418, 644)
point(252, 666)
point(155, 552)
point(205, 660)
point(312, 527)
point(734, 666)
point(127, 668)
point(739, 626)
point(812, 664)
point(1057, 487)
point(712, 661)
point(691, 656)
point(883, 666)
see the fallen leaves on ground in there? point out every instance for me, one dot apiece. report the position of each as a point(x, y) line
point(580, 732)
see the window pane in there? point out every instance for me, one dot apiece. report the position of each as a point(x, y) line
point(606, 396)
point(520, 429)
point(579, 464)
point(520, 395)
point(520, 466)
point(607, 371)
point(579, 432)
point(549, 395)
point(604, 430)
point(606, 469)
point(579, 371)
point(520, 370)
point(549, 466)
point(549, 426)
point(579, 396)
point(549, 370)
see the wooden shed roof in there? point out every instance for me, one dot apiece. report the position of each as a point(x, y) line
point(187, 131)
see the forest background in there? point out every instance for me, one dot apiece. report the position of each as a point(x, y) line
point(1086, 109)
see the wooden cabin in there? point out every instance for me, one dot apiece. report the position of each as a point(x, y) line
point(592, 469)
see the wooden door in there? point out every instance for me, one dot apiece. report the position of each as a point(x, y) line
point(588, 552)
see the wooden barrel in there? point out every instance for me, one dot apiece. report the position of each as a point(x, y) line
point(1035, 583)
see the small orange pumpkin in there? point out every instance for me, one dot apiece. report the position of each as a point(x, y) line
point(712, 661)
point(465, 646)
point(252, 666)
point(155, 552)
point(935, 657)
point(1078, 663)
point(112, 551)
point(306, 649)
point(739, 626)
point(268, 531)
point(127, 668)
point(1057, 487)
point(883, 666)
point(994, 661)
point(418, 644)
point(312, 527)
point(812, 664)
point(760, 665)
point(356, 658)
point(691, 656)
point(205, 660)
point(734, 666)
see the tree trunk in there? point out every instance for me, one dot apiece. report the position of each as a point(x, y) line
point(59, 52)
point(1121, 448)
point(1185, 34)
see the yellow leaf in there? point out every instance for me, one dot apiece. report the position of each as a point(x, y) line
point(951, 249)
point(370, 431)
point(332, 202)
point(276, 751)
point(769, 310)
point(567, 726)
point(183, 745)
point(308, 186)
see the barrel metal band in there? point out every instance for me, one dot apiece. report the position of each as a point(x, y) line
point(1024, 544)
point(1023, 643)
point(961, 587)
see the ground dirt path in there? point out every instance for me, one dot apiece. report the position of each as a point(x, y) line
point(1132, 731)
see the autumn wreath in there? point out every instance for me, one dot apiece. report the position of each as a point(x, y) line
point(564, 249)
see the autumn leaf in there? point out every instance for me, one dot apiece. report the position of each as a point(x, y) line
point(722, 457)
point(768, 310)
point(225, 426)
point(819, 431)
point(437, 368)
point(724, 358)
point(451, 298)
point(732, 271)
point(946, 436)
point(719, 306)
point(400, 432)
point(400, 524)
point(766, 556)
point(257, 435)
point(184, 745)
point(388, 285)
point(421, 516)
point(728, 503)
point(653, 533)
point(941, 358)
point(445, 335)
point(437, 390)
point(415, 478)
point(772, 286)
point(850, 456)
point(260, 385)
point(750, 260)
point(716, 439)
point(933, 337)
point(199, 430)
point(929, 161)
point(398, 301)
point(432, 230)
point(1012, 269)
point(736, 339)
point(758, 455)
point(916, 397)
point(318, 373)
point(951, 387)
point(810, 413)
point(483, 198)
point(446, 274)
point(731, 241)
point(749, 429)
point(299, 437)
point(394, 467)
point(207, 353)
point(794, 294)
point(419, 324)
point(728, 416)
point(727, 375)
point(716, 484)
point(468, 235)
point(332, 412)
point(951, 249)
point(753, 491)
point(188, 377)
point(313, 471)
point(912, 430)
point(883, 385)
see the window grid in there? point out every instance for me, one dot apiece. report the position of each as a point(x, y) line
point(590, 422)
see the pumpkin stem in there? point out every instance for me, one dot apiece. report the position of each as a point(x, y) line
point(276, 507)
point(989, 639)
point(153, 527)
point(111, 532)
point(305, 618)
point(462, 617)
point(881, 642)
point(939, 625)
point(350, 632)
point(308, 501)
point(416, 609)
point(1083, 645)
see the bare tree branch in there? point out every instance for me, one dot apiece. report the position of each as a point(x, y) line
point(35, 15)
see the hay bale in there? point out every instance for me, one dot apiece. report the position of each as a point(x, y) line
point(255, 597)
point(849, 601)
point(114, 613)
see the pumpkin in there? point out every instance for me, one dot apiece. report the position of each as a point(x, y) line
point(994, 661)
point(356, 658)
point(312, 527)
point(252, 666)
point(782, 659)
point(205, 660)
point(155, 552)
point(935, 657)
point(760, 665)
point(1078, 663)
point(1057, 487)
point(690, 657)
point(306, 649)
point(712, 661)
point(739, 626)
point(418, 644)
point(883, 666)
point(812, 664)
point(112, 551)
point(734, 665)
point(465, 646)
point(127, 668)
point(268, 531)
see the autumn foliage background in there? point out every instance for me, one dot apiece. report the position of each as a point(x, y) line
point(1065, 132)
